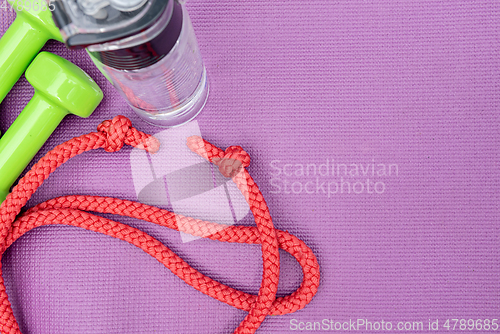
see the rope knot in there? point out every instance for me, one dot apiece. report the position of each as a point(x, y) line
point(119, 131)
point(235, 158)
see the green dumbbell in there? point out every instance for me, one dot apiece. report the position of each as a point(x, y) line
point(61, 88)
point(31, 29)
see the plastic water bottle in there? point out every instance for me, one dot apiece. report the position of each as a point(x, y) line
point(146, 48)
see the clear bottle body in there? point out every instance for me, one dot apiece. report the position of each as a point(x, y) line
point(173, 90)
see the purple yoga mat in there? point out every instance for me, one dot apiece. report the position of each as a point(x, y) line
point(373, 129)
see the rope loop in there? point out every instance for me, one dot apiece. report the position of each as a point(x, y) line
point(115, 132)
point(235, 158)
point(230, 162)
point(119, 131)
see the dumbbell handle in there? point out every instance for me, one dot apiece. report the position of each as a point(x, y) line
point(21, 43)
point(25, 137)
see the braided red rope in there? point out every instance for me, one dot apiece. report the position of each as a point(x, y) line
point(69, 210)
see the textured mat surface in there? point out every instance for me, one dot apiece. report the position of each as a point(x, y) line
point(373, 128)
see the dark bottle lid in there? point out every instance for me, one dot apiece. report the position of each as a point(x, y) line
point(89, 22)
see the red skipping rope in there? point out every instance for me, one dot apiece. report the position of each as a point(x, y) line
point(71, 210)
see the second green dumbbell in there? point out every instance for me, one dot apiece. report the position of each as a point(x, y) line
point(61, 88)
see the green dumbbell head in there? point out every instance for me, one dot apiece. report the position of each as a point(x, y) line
point(64, 83)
